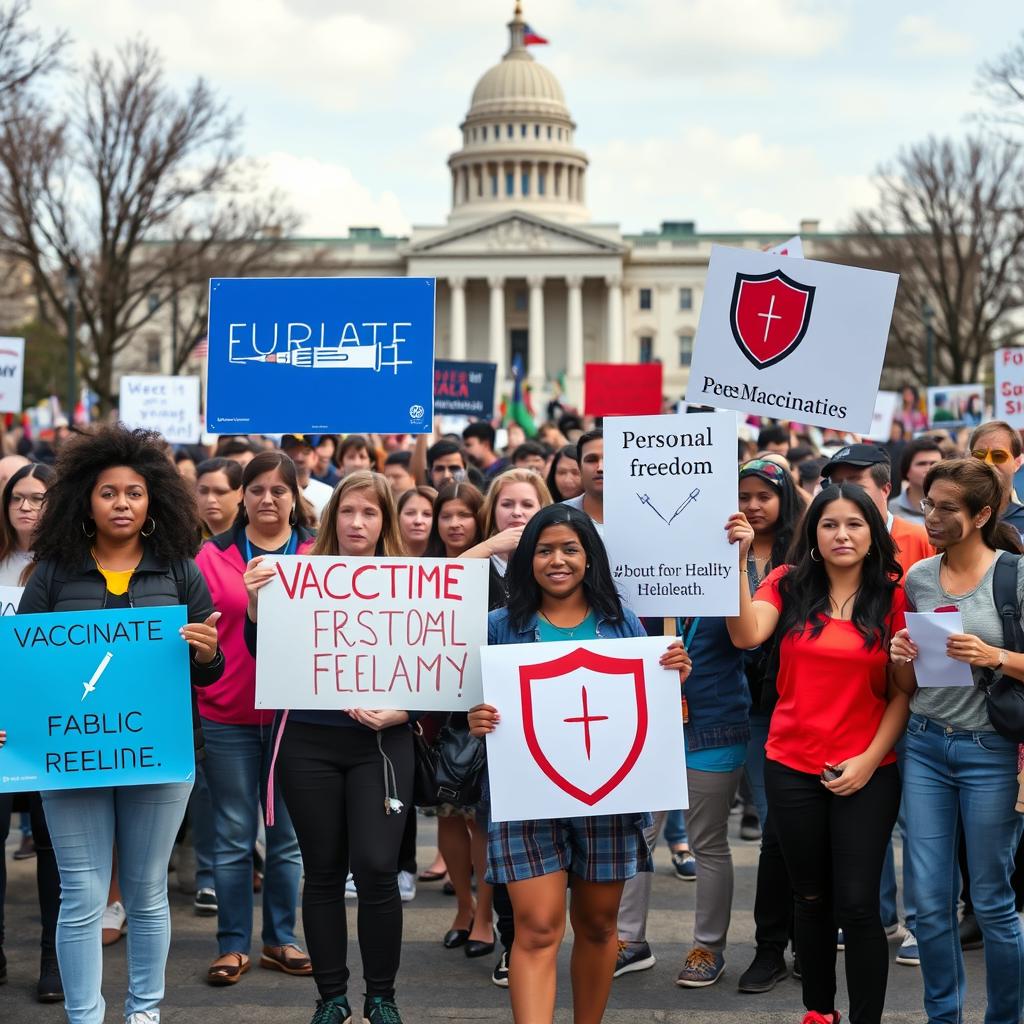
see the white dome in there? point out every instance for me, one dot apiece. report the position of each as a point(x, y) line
point(518, 85)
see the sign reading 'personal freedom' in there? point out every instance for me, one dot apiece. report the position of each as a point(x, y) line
point(792, 339)
point(96, 699)
point(321, 355)
point(670, 482)
point(340, 632)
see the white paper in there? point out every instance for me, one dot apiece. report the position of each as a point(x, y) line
point(792, 247)
point(1009, 390)
point(169, 405)
point(886, 404)
point(810, 359)
point(670, 483)
point(932, 666)
point(555, 697)
point(340, 632)
point(10, 598)
point(12, 368)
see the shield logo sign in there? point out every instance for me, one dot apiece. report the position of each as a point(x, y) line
point(769, 316)
point(585, 720)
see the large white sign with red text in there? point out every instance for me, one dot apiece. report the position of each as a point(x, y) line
point(586, 728)
point(340, 632)
point(12, 369)
point(1009, 398)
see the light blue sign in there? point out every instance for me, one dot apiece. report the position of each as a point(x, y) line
point(95, 699)
point(321, 355)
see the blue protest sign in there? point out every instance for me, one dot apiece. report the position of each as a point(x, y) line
point(95, 699)
point(464, 389)
point(320, 355)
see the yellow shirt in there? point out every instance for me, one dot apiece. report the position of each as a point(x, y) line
point(117, 582)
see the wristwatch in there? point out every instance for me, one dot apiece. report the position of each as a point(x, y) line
point(1002, 659)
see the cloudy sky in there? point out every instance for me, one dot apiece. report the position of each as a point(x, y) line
point(738, 114)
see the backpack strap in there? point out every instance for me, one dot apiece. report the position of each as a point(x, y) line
point(1004, 591)
point(180, 574)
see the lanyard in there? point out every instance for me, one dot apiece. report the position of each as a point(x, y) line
point(689, 633)
point(289, 548)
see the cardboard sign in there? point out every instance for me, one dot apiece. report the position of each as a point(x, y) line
point(12, 369)
point(10, 598)
point(169, 405)
point(321, 355)
point(790, 338)
point(586, 728)
point(670, 483)
point(1009, 392)
point(340, 632)
point(956, 405)
point(622, 389)
point(464, 389)
point(102, 699)
point(887, 404)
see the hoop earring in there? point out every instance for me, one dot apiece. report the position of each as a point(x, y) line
point(89, 536)
point(152, 529)
point(815, 557)
point(293, 517)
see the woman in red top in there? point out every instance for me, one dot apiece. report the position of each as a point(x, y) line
point(831, 777)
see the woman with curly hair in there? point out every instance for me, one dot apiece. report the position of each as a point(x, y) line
point(119, 530)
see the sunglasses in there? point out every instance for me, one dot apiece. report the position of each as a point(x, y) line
point(993, 456)
point(762, 467)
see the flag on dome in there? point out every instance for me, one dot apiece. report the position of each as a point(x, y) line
point(531, 38)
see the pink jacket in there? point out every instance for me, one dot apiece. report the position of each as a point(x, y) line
point(232, 700)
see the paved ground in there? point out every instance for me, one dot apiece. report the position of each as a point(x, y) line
point(440, 985)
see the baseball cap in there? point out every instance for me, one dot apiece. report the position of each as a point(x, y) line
point(859, 455)
point(299, 441)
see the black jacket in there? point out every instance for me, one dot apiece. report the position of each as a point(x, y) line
point(155, 583)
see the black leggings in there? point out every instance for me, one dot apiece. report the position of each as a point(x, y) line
point(47, 876)
point(834, 848)
point(332, 778)
point(773, 896)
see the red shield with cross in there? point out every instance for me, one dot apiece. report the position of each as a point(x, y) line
point(769, 316)
point(585, 720)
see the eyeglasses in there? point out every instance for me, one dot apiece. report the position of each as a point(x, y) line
point(763, 468)
point(32, 501)
point(993, 456)
point(928, 506)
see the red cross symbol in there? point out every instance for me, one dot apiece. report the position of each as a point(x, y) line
point(586, 718)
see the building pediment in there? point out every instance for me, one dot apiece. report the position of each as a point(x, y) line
point(514, 233)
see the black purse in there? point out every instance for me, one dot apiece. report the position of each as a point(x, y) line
point(449, 770)
point(1004, 697)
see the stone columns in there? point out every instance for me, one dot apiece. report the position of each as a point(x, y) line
point(457, 285)
point(537, 369)
point(517, 180)
point(574, 340)
point(496, 344)
point(665, 345)
point(533, 179)
point(615, 349)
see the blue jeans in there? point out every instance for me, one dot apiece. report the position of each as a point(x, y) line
point(754, 767)
point(237, 766)
point(890, 910)
point(84, 825)
point(200, 816)
point(675, 829)
point(951, 778)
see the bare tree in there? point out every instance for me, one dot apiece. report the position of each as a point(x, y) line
point(950, 221)
point(24, 53)
point(138, 191)
point(1001, 82)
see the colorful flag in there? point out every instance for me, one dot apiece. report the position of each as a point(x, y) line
point(517, 411)
point(531, 38)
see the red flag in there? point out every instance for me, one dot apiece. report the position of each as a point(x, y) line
point(531, 38)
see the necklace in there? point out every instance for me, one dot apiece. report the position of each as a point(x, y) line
point(840, 608)
point(103, 568)
point(569, 632)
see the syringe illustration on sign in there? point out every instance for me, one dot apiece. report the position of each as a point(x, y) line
point(646, 500)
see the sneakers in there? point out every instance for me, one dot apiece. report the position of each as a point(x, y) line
point(908, 954)
point(143, 1017)
point(765, 972)
point(750, 827)
point(895, 932)
point(335, 1010)
point(840, 940)
point(685, 865)
point(378, 1010)
point(701, 968)
point(813, 1017)
point(633, 956)
point(406, 886)
point(49, 989)
point(205, 902)
point(499, 976)
point(114, 918)
point(350, 888)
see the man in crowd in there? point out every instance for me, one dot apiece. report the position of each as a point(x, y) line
point(479, 438)
point(355, 453)
point(918, 457)
point(325, 470)
point(590, 455)
point(396, 469)
point(300, 448)
point(531, 455)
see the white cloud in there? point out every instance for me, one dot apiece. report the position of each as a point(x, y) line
point(924, 37)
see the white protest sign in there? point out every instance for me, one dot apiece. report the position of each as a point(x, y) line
point(586, 728)
point(956, 405)
point(10, 598)
point(167, 404)
point(886, 405)
point(669, 485)
point(12, 369)
point(790, 338)
point(793, 247)
point(1009, 401)
point(340, 632)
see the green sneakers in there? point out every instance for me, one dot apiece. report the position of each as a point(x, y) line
point(332, 1011)
point(378, 1010)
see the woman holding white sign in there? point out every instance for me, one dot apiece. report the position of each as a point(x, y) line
point(831, 777)
point(561, 588)
point(347, 792)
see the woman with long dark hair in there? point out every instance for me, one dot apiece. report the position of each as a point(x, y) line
point(118, 530)
point(218, 494)
point(456, 526)
point(564, 480)
point(830, 772)
point(561, 587)
point(341, 773)
point(960, 775)
point(415, 518)
point(23, 497)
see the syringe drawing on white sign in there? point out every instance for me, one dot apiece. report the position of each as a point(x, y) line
point(645, 499)
point(90, 686)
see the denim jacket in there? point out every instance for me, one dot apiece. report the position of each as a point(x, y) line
point(716, 690)
point(501, 631)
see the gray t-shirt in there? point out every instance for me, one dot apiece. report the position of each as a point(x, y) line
point(577, 503)
point(961, 707)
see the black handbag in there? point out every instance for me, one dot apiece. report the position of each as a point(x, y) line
point(449, 770)
point(1004, 697)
